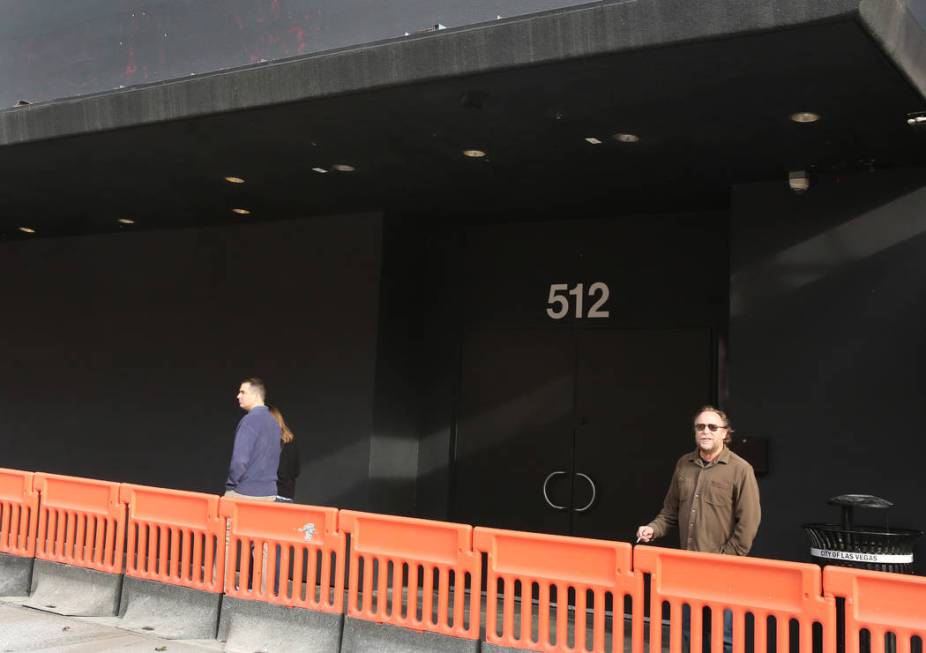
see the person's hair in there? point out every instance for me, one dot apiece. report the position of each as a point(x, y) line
point(728, 438)
point(258, 385)
point(286, 435)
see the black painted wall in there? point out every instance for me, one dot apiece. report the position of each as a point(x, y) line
point(122, 354)
point(54, 50)
point(828, 347)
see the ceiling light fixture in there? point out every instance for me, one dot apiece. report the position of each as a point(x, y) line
point(805, 117)
point(320, 171)
point(623, 137)
point(593, 140)
point(474, 154)
point(343, 167)
point(27, 230)
point(125, 221)
point(234, 180)
point(241, 211)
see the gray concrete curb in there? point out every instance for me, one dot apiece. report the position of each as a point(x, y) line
point(74, 591)
point(362, 636)
point(249, 626)
point(15, 575)
point(168, 611)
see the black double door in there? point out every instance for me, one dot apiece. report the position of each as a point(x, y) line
point(574, 431)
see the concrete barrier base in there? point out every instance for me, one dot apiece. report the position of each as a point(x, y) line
point(362, 636)
point(73, 591)
point(168, 611)
point(15, 575)
point(249, 626)
point(495, 648)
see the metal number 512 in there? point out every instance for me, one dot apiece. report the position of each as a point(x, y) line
point(560, 293)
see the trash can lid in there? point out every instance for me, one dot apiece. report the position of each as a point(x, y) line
point(860, 500)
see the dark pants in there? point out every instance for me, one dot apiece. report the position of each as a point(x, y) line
point(706, 632)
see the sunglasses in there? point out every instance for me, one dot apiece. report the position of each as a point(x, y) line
point(713, 427)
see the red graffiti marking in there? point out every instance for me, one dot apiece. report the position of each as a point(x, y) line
point(130, 67)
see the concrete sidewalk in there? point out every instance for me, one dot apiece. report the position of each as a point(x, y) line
point(26, 629)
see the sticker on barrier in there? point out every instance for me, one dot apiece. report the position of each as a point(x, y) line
point(286, 554)
point(81, 522)
point(413, 573)
point(713, 596)
point(555, 593)
point(884, 611)
point(175, 537)
point(18, 513)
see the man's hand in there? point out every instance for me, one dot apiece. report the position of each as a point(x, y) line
point(645, 534)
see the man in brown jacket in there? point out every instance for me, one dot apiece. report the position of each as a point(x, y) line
point(713, 499)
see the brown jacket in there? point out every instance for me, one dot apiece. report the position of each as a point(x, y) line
point(715, 505)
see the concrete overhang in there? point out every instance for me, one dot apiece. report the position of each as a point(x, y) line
point(709, 87)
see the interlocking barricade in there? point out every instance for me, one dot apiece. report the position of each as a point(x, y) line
point(81, 522)
point(396, 558)
point(774, 592)
point(286, 554)
point(551, 576)
point(887, 606)
point(18, 513)
point(175, 537)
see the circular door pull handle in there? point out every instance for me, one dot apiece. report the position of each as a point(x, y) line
point(594, 492)
point(546, 497)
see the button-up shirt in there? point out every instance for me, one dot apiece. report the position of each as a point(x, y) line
point(714, 504)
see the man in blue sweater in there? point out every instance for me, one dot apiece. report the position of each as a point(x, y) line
point(252, 473)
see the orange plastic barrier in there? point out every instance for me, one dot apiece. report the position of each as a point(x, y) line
point(19, 504)
point(396, 563)
point(880, 603)
point(782, 591)
point(286, 554)
point(552, 576)
point(175, 537)
point(81, 522)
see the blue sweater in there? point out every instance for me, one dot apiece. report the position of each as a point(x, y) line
point(256, 456)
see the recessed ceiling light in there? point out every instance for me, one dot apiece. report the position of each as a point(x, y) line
point(805, 116)
point(241, 211)
point(125, 221)
point(474, 154)
point(320, 171)
point(593, 140)
point(343, 167)
point(27, 230)
point(234, 180)
point(622, 137)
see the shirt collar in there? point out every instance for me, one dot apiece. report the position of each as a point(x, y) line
point(722, 457)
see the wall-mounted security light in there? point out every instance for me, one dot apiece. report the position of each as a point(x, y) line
point(799, 181)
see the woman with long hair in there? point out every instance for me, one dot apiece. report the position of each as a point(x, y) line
point(289, 459)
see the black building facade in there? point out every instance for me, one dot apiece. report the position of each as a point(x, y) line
point(488, 272)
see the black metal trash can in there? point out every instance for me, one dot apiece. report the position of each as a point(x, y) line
point(862, 547)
